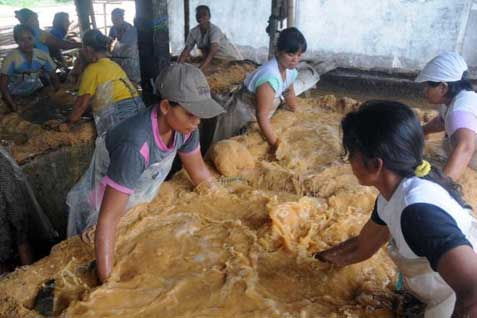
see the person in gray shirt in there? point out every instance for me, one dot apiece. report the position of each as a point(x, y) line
point(132, 160)
point(209, 39)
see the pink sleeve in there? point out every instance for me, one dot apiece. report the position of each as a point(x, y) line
point(461, 119)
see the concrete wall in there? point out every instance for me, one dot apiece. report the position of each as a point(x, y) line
point(470, 40)
point(388, 33)
point(366, 33)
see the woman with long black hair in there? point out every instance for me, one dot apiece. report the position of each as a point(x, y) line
point(431, 233)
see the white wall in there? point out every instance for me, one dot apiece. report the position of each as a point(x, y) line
point(387, 33)
point(360, 33)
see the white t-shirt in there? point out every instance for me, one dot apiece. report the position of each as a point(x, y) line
point(413, 191)
point(270, 73)
point(462, 113)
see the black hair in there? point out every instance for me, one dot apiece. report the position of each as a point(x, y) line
point(454, 88)
point(291, 40)
point(59, 18)
point(23, 15)
point(19, 29)
point(202, 7)
point(391, 131)
point(97, 40)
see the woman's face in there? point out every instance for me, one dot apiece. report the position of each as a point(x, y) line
point(289, 60)
point(25, 41)
point(66, 23)
point(179, 119)
point(202, 17)
point(117, 20)
point(365, 174)
point(435, 94)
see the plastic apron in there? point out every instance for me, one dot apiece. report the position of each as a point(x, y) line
point(240, 111)
point(84, 199)
point(108, 113)
point(306, 79)
point(127, 56)
point(24, 84)
point(425, 284)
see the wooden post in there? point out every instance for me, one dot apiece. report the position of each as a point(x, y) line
point(273, 27)
point(186, 19)
point(82, 9)
point(162, 55)
point(153, 41)
point(143, 23)
point(291, 14)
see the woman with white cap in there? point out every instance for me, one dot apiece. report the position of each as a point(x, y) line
point(447, 83)
point(133, 159)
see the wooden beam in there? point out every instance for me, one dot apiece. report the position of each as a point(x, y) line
point(162, 55)
point(143, 23)
point(83, 9)
point(273, 27)
point(152, 24)
point(186, 19)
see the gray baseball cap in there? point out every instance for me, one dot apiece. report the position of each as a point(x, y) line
point(186, 84)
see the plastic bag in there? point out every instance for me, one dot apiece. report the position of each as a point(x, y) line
point(306, 79)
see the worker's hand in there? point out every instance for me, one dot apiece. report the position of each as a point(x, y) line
point(273, 149)
point(211, 186)
point(292, 108)
point(88, 235)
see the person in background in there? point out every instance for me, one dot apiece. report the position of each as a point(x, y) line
point(124, 49)
point(133, 159)
point(447, 83)
point(42, 39)
point(59, 30)
point(105, 86)
point(263, 90)
point(210, 40)
point(431, 231)
point(22, 67)
point(61, 23)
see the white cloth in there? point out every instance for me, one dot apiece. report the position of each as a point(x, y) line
point(446, 67)
point(419, 277)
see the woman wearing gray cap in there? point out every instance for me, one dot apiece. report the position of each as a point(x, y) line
point(447, 83)
point(134, 158)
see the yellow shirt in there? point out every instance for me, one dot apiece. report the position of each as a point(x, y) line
point(102, 71)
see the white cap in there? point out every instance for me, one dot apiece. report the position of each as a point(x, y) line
point(446, 67)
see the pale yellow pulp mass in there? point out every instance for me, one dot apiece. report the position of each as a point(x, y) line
point(240, 249)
